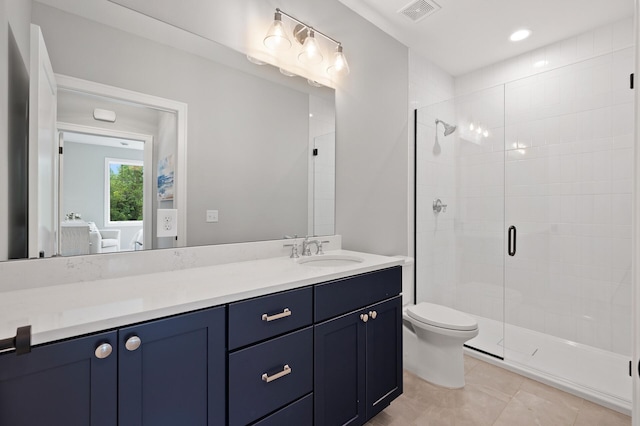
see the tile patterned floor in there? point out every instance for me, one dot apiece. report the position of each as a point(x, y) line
point(492, 396)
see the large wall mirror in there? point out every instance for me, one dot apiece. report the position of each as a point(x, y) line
point(259, 160)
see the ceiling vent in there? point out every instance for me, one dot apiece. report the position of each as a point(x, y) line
point(419, 9)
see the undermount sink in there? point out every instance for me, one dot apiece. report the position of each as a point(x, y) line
point(330, 260)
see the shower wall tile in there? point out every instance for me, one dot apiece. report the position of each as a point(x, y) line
point(435, 248)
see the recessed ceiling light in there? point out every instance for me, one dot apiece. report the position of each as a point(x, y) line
point(520, 35)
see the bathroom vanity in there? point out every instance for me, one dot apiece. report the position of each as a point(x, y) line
point(266, 342)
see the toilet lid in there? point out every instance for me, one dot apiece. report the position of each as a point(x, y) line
point(441, 316)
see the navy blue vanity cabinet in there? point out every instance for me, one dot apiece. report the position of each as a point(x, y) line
point(271, 359)
point(66, 383)
point(384, 354)
point(339, 371)
point(358, 354)
point(172, 371)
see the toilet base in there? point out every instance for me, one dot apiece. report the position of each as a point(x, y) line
point(435, 358)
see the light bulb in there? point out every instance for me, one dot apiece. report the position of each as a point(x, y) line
point(310, 53)
point(339, 65)
point(520, 35)
point(276, 38)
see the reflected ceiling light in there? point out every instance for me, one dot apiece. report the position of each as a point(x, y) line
point(255, 60)
point(541, 63)
point(276, 38)
point(287, 73)
point(520, 35)
point(310, 52)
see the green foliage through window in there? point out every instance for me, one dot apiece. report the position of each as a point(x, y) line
point(125, 192)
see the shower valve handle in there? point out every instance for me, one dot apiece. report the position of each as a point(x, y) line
point(438, 206)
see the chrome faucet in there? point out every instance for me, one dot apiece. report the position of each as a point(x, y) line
point(306, 250)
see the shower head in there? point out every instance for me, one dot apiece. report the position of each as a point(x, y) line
point(448, 128)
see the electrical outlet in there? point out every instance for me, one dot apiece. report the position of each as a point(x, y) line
point(212, 215)
point(167, 223)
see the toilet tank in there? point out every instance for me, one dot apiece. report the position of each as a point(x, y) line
point(407, 279)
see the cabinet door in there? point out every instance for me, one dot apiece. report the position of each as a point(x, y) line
point(62, 383)
point(176, 376)
point(339, 371)
point(384, 354)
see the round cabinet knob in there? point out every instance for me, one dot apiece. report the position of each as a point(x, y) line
point(132, 343)
point(364, 317)
point(373, 314)
point(103, 351)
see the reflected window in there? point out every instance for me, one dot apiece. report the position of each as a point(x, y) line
point(124, 191)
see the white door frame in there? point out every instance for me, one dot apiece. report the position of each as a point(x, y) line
point(155, 102)
point(43, 219)
point(147, 211)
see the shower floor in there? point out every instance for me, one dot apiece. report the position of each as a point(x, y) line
point(594, 374)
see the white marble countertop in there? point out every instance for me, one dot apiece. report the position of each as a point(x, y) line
point(68, 310)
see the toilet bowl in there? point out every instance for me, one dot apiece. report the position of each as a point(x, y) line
point(434, 336)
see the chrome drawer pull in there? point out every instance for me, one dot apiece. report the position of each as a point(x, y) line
point(282, 314)
point(286, 370)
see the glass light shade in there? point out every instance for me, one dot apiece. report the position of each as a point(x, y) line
point(310, 53)
point(339, 65)
point(276, 38)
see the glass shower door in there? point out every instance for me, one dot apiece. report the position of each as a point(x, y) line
point(569, 153)
point(460, 210)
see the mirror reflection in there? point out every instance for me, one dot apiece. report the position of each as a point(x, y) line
point(257, 161)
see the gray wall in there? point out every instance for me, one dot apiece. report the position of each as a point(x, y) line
point(241, 159)
point(83, 180)
point(372, 157)
point(373, 189)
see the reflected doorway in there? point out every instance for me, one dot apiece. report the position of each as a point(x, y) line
point(105, 191)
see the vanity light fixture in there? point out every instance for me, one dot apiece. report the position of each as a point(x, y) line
point(339, 66)
point(310, 53)
point(276, 38)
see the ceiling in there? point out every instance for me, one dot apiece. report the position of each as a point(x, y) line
point(465, 35)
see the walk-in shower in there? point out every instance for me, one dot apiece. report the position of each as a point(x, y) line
point(553, 161)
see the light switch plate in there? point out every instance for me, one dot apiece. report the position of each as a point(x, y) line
point(212, 215)
point(167, 223)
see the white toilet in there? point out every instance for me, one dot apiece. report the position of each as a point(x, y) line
point(433, 337)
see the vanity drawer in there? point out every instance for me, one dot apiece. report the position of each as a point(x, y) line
point(258, 319)
point(299, 413)
point(341, 296)
point(269, 375)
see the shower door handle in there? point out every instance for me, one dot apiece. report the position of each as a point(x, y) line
point(511, 245)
